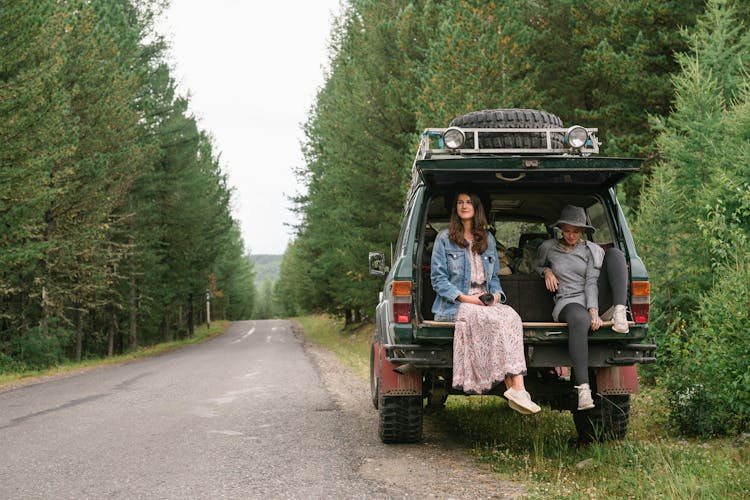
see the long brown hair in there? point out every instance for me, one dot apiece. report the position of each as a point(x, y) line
point(478, 225)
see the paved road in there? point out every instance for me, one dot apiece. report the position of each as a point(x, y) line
point(254, 413)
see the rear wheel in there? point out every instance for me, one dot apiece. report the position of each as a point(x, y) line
point(607, 421)
point(400, 419)
point(511, 118)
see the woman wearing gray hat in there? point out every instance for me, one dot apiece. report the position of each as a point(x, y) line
point(582, 275)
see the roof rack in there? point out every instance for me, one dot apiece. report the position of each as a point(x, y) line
point(431, 135)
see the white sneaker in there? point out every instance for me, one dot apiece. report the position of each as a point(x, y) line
point(620, 320)
point(519, 409)
point(585, 402)
point(521, 401)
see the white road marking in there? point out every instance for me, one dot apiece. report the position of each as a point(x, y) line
point(226, 433)
point(249, 332)
point(207, 407)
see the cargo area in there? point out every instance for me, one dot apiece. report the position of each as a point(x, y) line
point(520, 223)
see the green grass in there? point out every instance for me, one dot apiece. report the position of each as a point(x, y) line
point(541, 451)
point(350, 345)
point(201, 334)
point(650, 463)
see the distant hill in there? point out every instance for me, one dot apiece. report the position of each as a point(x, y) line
point(266, 267)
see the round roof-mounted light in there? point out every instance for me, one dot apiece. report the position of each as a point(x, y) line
point(576, 137)
point(454, 138)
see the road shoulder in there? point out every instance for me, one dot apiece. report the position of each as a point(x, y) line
point(438, 467)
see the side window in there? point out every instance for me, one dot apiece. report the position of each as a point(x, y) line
point(403, 237)
point(598, 218)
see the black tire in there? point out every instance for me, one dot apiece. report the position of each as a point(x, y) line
point(510, 118)
point(607, 421)
point(400, 419)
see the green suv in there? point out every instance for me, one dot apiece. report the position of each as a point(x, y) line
point(526, 167)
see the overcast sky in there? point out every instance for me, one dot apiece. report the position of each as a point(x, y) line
point(251, 69)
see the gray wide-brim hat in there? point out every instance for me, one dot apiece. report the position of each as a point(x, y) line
point(575, 216)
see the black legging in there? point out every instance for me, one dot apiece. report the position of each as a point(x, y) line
point(613, 289)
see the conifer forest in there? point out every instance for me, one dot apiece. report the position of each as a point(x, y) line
point(115, 218)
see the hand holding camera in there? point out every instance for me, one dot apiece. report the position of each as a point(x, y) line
point(487, 299)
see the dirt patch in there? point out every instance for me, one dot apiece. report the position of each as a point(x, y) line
point(438, 467)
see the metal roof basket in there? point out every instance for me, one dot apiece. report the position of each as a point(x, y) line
point(534, 141)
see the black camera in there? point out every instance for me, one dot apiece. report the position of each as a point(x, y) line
point(487, 298)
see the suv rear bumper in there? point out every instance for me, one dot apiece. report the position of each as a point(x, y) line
point(420, 356)
point(538, 355)
point(600, 355)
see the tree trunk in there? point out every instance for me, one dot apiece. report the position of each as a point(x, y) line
point(111, 336)
point(133, 314)
point(79, 337)
point(191, 325)
point(44, 323)
point(165, 328)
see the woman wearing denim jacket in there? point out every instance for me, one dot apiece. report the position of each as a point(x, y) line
point(488, 335)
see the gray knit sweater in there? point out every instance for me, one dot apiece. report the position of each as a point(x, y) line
point(577, 272)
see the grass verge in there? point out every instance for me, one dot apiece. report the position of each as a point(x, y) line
point(540, 450)
point(201, 334)
point(351, 345)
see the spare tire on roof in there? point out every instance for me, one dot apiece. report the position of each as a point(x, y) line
point(510, 118)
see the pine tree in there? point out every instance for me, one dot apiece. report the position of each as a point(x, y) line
point(113, 208)
point(356, 139)
point(692, 143)
point(235, 278)
point(34, 109)
point(696, 206)
point(477, 57)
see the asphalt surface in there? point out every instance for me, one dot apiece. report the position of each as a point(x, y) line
point(254, 413)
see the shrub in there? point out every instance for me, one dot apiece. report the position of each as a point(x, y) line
point(36, 350)
point(710, 381)
point(8, 364)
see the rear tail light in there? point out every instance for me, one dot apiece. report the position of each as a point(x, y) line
point(402, 302)
point(640, 300)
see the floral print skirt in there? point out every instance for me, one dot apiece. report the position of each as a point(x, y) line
point(487, 347)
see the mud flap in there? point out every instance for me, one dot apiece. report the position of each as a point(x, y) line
point(617, 380)
point(393, 383)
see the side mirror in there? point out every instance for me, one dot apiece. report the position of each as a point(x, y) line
point(377, 263)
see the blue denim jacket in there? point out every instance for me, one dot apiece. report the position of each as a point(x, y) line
point(451, 274)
